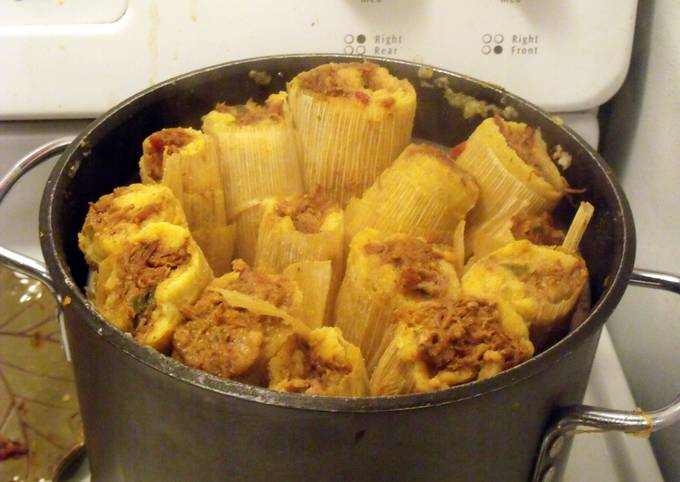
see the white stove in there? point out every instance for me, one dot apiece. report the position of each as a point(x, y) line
point(554, 53)
point(70, 59)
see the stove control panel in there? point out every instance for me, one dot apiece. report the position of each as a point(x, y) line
point(564, 56)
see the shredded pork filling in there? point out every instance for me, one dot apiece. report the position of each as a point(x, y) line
point(345, 80)
point(555, 282)
point(417, 263)
point(217, 338)
point(232, 342)
point(106, 215)
point(307, 372)
point(143, 267)
point(523, 144)
point(457, 335)
point(539, 229)
point(251, 112)
point(275, 289)
point(228, 341)
point(164, 142)
point(307, 211)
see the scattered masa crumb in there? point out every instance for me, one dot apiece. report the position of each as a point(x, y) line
point(561, 157)
point(472, 106)
point(260, 77)
point(442, 82)
point(425, 73)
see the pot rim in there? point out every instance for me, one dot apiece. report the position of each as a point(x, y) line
point(81, 307)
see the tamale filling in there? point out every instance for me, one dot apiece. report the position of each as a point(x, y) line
point(307, 211)
point(143, 267)
point(347, 80)
point(539, 229)
point(549, 278)
point(162, 143)
point(105, 214)
point(275, 289)
point(523, 144)
point(553, 281)
point(228, 341)
point(252, 113)
point(309, 373)
point(217, 338)
point(457, 335)
point(417, 262)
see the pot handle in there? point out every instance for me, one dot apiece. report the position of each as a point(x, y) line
point(11, 259)
point(571, 420)
point(17, 261)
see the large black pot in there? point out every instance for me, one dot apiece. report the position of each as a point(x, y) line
point(148, 418)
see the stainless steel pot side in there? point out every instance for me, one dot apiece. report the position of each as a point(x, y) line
point(148, 418)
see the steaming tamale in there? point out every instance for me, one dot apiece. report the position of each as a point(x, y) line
point(439, 344)
point(541, 283)
point(117, 216)
point(185, 160)
point(301, 227)
point(510, 163)
point(319, 363)
point(352, 121)
point(384, 272)
point(142, 286)
point(258, 152)
point(238, 324)
point(421, 194)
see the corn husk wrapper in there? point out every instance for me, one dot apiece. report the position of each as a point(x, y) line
point(373, 289)
point(141, 288)
point(117, 216)
point(421, 194)
point(280, 243)
point(443, 343)
point(314, 280)
point(491, 237)
point(578, 227)
point(508, 184)
point(185, 160)
point(352, 121)
point(537, 228)
point(459, 248)
point(541, 283)
point(262, 307)
point(259, 155)
point(319, 363)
